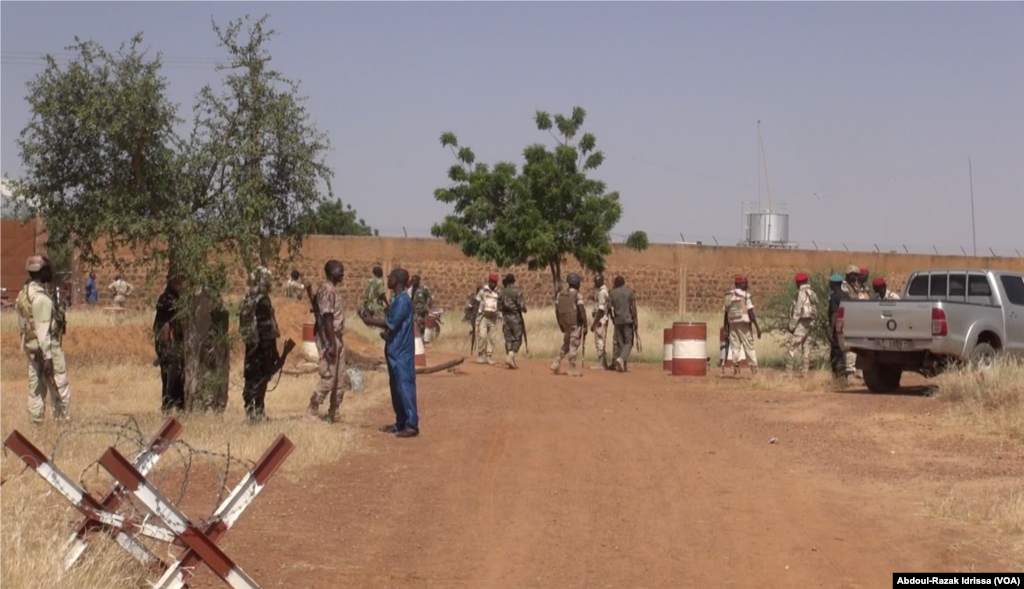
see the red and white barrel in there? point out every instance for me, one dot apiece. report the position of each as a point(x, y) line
point(429, 329)
point(421, 351)
point(309, 351)
point(689, 349)
point(666, 358)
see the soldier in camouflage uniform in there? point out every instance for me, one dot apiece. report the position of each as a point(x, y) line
point(740, 318)
point(121, 290)
point(294, 289)
point(373, 294)
point(801, 323)
point(41, 323)
point(258, 328)
point(512, 305)
point(572, 320)
point(333, 378)
point(600, 326)
point(487, 319)
point(851, 286)
point(882, 292)
point(421, 299)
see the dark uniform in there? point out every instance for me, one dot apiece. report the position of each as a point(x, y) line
point(420, 306)
point(837, 356)
point(169, 352)
point(260, 333)
point(512, 304)
point(623, 303)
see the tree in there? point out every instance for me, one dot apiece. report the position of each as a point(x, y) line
point(779, 306)
point(105, 163)
point(333, 218)
point(539, 216)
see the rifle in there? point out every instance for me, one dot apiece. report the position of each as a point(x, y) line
point(318, 320)
point(526, 341)
point(279, 364)
point(50, 380)
point(636, 336)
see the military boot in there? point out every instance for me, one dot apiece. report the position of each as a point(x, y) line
point(511, 360)
point(489, 360)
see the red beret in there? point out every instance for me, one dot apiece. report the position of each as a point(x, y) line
point(493, 278)
point(863, 270)
point(740, 279)
point(801, 277)
point(878, 282)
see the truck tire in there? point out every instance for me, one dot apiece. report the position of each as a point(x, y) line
point(983, 356)
point(881, 378)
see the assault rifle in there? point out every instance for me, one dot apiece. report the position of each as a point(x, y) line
point(526, 341)
point(289, 345)
point(319, 332)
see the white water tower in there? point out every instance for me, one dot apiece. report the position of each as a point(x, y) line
point(765, 226)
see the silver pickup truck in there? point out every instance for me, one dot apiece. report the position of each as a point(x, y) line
point(945, 318)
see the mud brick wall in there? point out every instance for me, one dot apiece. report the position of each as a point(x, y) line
point(673, 278)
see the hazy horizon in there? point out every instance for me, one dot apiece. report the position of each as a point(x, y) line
point(869, 111)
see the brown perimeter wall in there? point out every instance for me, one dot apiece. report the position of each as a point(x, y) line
point(674, 278)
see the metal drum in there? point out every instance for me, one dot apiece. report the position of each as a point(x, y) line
point(689, 349)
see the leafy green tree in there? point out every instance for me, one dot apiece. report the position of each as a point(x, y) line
point(108, 169)
point(334, 218)
point(541, 215)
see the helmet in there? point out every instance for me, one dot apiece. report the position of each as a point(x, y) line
point(36, 262)
point(573, 279)
point(852, 269)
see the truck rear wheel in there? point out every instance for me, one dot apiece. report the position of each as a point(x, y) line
point(881, 378)
point(983, 357)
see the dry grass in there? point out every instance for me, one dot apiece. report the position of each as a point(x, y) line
point(1002, 511)
point(991, 401)
point(545, 339)
point(86, 317)
point(36, 522)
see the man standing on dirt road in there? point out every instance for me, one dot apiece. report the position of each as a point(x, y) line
point(571, 313)
point(624, 317)
point(169, 337)
point(801, 322)
point(836, 297)
point(258, 328)
point(851, 286)
point(41, 323)
point(512, 305)
point(400, 354)
point(739, 317)
point(421, 300)
point(602, 313)
point(333, 378)
point(487, 319)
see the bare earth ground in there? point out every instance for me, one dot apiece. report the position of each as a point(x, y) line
point(642, 480)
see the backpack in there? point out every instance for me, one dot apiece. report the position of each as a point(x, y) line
point(566, 311)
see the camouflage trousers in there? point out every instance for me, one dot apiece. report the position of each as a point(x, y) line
point(799, 344)
point(570, 346)
point(332, 384)
point(851, 363)
point(600, 335)
point(486, 329)
point(512, 329)
point(741, 341)
point(38, 385)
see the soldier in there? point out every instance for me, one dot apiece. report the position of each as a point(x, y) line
point(121, 290)
point(801, 322)
point(41, 323)
point(258, 327)
point(294, 288)
point(852, 288)
point(92, 293)
point(169, 338)
point(487, 319)
point(600, 327)
point(623, 303)
point(836, 297)
point(571, 313)
point(373, 294)
point(332, 357)
point(739, 317)
point(882, 292)
point(863, 284)
point(421, 300)
point(512, 305)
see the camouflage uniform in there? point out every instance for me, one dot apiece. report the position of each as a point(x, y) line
point(421, 306)
point(487, 323)
point(42, 324)
point(801, 322)
point(258, 327)
point(855, 293)
point(293, 289)
point(333, 378)
point(372, 295)
point(512, 304)
point(572, 339)
point(738, 305)
point(601, 327)
point(121, 290)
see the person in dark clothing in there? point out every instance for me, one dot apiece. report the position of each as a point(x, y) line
point(169, 337)
point(837, 296)
point(258, 327)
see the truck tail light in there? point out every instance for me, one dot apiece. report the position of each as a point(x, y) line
point(939, 326)
point(840, 319)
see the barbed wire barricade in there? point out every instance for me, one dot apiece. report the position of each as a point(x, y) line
point(136, 512)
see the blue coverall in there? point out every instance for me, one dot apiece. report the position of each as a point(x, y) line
point(400, 355)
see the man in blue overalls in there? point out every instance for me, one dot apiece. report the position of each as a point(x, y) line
point(400, 354)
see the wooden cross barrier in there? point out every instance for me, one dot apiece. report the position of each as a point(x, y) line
point(202, 544)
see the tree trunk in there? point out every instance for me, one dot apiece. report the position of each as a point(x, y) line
point(556, 276)
point(207, 353)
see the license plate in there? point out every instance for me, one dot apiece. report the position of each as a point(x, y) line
point(897, 345)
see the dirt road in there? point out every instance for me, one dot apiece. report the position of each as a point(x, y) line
point(642, 480)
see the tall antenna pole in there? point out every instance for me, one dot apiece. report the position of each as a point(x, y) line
point(974, 235)
point(758, 167)
point(767, 186)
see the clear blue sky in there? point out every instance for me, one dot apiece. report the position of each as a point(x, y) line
point(874, 107)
